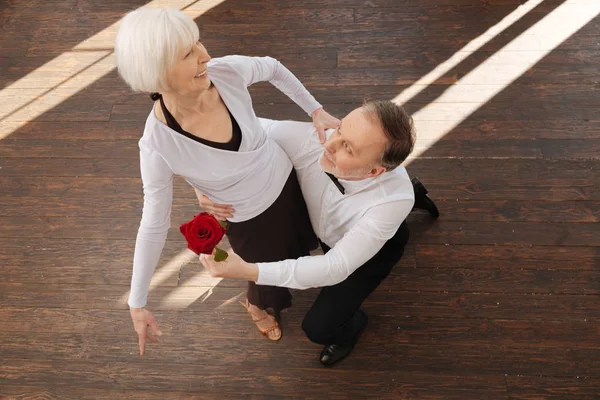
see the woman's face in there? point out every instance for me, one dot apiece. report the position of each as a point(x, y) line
point(188, 75)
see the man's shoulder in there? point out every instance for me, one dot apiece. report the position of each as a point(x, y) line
point(397, 185)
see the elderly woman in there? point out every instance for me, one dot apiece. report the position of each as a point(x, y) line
point(203, 127)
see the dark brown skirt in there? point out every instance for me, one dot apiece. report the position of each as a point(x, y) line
point(282, 231)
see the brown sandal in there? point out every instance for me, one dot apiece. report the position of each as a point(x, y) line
point(265, 332)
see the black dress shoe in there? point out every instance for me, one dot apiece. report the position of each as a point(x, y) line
point(423, 201)
point(333, 353)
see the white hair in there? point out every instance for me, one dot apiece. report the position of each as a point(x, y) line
point(148, 43)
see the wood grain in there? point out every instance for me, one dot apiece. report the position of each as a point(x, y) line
point(497, 299)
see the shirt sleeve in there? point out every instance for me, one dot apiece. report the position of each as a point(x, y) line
point(355, 248)
point(157, 179)
point(292, 136)
point(268, 69)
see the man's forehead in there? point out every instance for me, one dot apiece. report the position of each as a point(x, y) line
point(362, 129)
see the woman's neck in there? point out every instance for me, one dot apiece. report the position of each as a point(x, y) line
point(185, 106)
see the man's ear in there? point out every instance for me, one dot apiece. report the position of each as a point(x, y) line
point(376, 171)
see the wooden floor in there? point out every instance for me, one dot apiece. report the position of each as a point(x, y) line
point(498, 299)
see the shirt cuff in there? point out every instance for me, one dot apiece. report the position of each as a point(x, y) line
point(137, 301)
point(269, 274)
point(311, 105)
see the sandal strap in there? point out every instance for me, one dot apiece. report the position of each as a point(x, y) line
point(247, 307)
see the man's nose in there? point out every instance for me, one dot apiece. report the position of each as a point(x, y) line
point(331, 145)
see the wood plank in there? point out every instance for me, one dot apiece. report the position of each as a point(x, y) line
point(511, 279)
point(356, 93)
point(90, 130)
point(506, 233)
point(449, 113)
point(438, 14)
point(443, 359)
point(518, 171)
point(546, 388)
point(506, 148)
point(130, 189)
point(503, 257)
point(78, 228)
point(551, 307)
point(389, 300)
point(440, 232)
point(71, 393)
point(114, 206)
point(514, 333)
point(519, 211)
point(453, 113)
point(290, 18)
point(407, 329)
point(570, 148)
point(76, 108)
point(474, 128)
point(308, 382)
point(85, 262)
point(10, 148)
point(110, 297)
point(218, 37)
point(86, 266)
point(173, 323)
point(267, 4)
point(292, 57)
point(185, 206)
point(105, 167)
point(481, 189)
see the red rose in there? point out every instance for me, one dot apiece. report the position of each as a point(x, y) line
point(202, 233)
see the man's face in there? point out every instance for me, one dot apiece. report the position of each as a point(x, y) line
point(353, 151)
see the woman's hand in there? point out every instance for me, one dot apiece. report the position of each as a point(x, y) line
point(220, 211)
point(142, 319)
point(322, 121)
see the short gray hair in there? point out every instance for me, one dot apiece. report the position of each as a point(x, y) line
point(398, 127)
point(147, 44)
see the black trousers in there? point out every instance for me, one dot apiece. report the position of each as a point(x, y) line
point(335, 316)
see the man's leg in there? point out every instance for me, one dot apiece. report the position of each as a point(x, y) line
point(335, 319)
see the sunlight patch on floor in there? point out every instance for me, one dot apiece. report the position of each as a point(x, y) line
point(72, 71)
point(500, 70)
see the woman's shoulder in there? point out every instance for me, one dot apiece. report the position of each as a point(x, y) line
point(152, 125)
point(232, 63)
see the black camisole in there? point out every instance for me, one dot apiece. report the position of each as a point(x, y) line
point(232, 145)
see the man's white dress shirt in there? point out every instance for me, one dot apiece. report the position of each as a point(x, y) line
point(355, 225)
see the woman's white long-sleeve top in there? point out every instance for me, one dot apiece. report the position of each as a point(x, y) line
point(250, 179)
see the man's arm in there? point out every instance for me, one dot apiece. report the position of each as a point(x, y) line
point(357, 246)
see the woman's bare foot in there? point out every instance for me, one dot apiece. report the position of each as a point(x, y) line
point(266, 323)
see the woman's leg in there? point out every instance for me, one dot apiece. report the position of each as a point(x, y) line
point(263, 240)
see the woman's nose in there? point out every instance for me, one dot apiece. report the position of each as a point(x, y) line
point(204, 56)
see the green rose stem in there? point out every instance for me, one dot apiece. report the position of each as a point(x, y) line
point(221, 255)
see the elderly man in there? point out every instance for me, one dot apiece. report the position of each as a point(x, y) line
point(358, 196)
